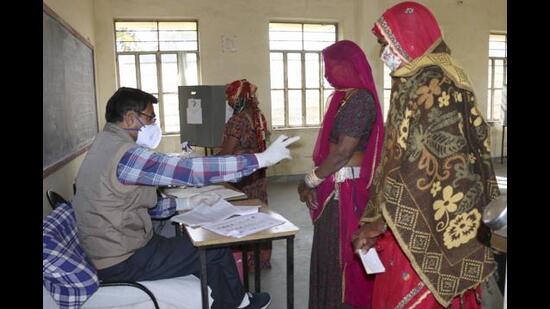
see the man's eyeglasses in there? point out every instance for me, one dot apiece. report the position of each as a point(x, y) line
point(153, 117)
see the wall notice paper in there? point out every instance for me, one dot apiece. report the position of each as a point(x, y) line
point(190, 191)
point(204, 214)
point(229, 44)
point(242, 226)
point(194, 111)
point(371, 261)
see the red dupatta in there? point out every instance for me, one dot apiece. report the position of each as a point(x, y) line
point(410, 29)
point(242, 92)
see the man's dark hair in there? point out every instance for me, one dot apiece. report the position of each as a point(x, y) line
point(127, 99)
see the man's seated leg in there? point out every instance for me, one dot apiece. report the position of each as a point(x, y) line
point(165, 258)
point(164, 227)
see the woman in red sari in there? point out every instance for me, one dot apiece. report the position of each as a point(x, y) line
point(246, 132)
point(336, 191)
point(436, 174)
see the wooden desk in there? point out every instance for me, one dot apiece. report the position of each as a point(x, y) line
point(204, 239)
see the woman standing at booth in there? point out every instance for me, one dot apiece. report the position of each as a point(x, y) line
point(246, 132)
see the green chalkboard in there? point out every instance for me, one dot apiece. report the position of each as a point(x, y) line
point(69, 101)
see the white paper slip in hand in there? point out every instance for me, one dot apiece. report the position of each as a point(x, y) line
point(371, 261)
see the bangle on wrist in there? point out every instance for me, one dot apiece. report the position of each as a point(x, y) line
point(312, 180)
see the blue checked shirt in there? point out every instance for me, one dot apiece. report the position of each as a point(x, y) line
point(67, 273)
point(141, 166)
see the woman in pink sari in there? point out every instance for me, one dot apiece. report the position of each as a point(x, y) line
point(436, 175)
point(346, 154)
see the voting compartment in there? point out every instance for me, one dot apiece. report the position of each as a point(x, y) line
point(203, 114)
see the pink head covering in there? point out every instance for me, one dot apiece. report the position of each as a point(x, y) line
point(410, 29)
point(346, 67)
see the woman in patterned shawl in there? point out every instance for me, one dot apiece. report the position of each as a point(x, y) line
point(245, 132)
point(347, 150)
point(435, 177)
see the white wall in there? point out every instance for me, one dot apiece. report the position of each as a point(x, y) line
point(79, 15)
point(245, 19)
point(466, 28)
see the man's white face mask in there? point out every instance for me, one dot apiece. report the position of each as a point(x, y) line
point(390, 59)
point(149, 136)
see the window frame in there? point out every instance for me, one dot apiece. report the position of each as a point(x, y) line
point(180, 54)
point(303, 88)
point(492, 105)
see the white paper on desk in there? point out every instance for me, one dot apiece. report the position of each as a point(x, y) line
point(242, 226)
point(190, 191)
point(371, 261)
point(247, 210)
point(205, 214)
point(194, 111)
point(227, 193)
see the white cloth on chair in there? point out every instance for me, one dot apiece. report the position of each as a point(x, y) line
point(175, 293)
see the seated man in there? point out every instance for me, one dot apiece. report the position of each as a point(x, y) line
point(116, 197)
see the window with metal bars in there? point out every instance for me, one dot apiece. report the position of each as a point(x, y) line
point(497, 75)
point(157, 57)
point(298, 87)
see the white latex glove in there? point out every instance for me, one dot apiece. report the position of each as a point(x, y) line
point(276, 152)
point(187, 203)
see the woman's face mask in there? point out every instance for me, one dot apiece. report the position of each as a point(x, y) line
point(239, 105)
point(390, 59)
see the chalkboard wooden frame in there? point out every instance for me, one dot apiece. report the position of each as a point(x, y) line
point(59, 163)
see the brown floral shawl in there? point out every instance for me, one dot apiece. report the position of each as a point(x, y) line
point(436, 175)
